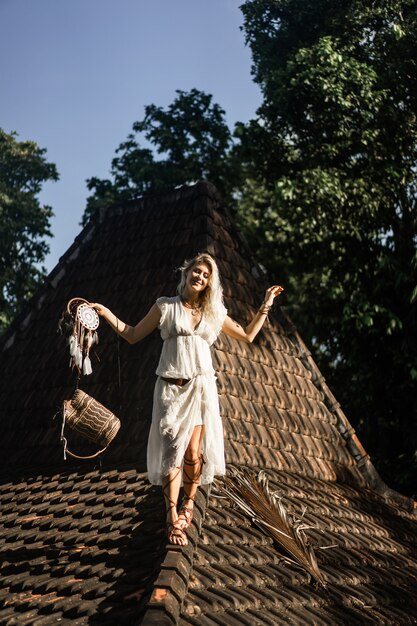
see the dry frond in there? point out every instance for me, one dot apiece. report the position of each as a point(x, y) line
point(253, 496)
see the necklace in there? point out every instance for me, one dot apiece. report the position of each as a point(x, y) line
point(195, 308)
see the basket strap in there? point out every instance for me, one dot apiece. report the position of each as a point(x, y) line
point(65, 443)
point(63, 438)
point(92, 456)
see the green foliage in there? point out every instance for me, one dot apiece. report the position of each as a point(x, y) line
point(329, 199)
point(24, 223)
point(190, 139)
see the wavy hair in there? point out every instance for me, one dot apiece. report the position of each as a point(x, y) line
point(211, 300)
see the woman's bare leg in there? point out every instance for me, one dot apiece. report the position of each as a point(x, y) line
point(191, 474)
point(171, 490)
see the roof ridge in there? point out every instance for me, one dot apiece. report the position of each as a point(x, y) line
point(202, 187)
point(171, 585)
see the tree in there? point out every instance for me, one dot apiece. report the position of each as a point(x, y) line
point(329, 199)
point(191, 137)
point(24, 223)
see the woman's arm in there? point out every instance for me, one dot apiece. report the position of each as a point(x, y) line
point(248, 334)
point(132, 334)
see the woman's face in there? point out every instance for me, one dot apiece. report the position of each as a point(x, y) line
point(198, 277)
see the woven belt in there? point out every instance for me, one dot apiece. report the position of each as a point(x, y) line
point(176, 381)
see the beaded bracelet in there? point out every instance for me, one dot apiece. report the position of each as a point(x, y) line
point(265, 308)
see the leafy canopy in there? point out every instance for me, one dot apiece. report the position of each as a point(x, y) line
point(24, 223)
point(329, 198)
point(187, 143)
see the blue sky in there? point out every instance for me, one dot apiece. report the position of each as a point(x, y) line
point(76, 74)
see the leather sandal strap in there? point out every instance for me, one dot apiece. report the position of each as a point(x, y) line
point(186, 512)
point(185, 516)
point(173, 530)
point(172, 503)
point(189, 462)
point(192, 481)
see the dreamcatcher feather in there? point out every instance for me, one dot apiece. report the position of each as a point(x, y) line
point(253, 496)
point(79, 323)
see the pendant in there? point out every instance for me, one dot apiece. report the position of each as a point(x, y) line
point(195, 310)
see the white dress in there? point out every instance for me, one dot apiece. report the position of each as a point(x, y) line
point(177, 410)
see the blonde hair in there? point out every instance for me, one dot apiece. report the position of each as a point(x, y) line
point(211, 300)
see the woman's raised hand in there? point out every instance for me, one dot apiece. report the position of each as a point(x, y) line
point(98, 307)
point(271, 293)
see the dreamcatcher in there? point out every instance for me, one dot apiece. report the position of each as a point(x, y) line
point(82, 413)
point(79, 324)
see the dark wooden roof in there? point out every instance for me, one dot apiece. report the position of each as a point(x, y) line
point(86, 544)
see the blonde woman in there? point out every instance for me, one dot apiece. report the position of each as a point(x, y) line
point(185, 445)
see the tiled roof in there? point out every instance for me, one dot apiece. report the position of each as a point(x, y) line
point(82, 546)
point(85, 544)
point(369, 562)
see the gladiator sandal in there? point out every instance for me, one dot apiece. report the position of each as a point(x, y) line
point(175, 533)
point(185, 514)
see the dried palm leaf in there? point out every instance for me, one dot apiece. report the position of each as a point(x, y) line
point(253, 496)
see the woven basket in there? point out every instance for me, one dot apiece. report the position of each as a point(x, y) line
point(91, 419)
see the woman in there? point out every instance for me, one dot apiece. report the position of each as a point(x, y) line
point(185, 443)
